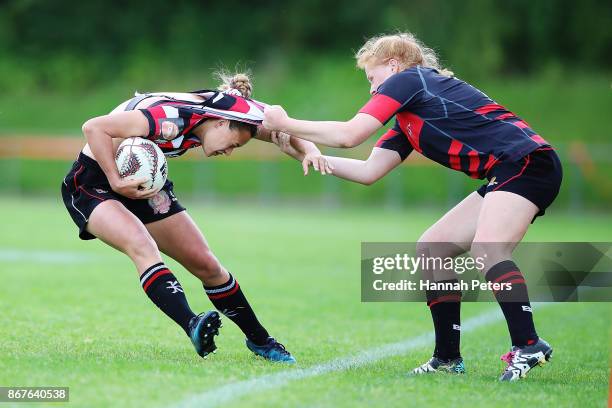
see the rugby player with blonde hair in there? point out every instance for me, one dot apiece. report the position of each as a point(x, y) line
point(458, 126)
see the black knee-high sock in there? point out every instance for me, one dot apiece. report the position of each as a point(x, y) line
point(229, 300)
point(164, 290)
point(445, 307)
point(514, 303)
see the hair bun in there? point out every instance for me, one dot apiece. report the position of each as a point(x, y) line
point(239, 81)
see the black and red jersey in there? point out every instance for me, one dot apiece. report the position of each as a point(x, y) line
point(187, 115)
point(449, 121)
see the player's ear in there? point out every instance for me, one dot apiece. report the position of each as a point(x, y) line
point(394, 65)
point(221, 122)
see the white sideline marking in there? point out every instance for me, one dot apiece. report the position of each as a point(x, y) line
point(279, 379)
point(38, 256)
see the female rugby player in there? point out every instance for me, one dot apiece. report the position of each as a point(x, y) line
point(458, 126)
point(141, 223)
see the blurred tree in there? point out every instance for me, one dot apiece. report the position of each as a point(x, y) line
point(71, 44)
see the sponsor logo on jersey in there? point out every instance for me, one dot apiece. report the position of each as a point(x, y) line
point(456, 327)
point(492, 182)
point(526, 309)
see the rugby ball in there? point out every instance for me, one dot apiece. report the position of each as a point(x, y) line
point(137, 157)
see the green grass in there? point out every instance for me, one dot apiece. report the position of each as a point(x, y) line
point(89, 326)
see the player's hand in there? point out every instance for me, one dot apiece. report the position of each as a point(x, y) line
point(318, 162)
point(130, 188)
point(283, 141)
point(275, 117)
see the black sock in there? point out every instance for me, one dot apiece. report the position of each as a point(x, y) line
point(164, 290)
point(445, 307)
point(514, 303)
point(229, 300)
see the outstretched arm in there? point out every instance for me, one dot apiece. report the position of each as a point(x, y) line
point(294, 147)
point(330, 133)
point(380, 162)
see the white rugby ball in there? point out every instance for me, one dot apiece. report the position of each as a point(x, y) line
point(137, 157)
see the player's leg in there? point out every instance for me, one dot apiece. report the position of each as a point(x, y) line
point(99, 212)
point(112, 223)
point(503, 221)
point(180, 238)
point(518, 192)
point(450, 236)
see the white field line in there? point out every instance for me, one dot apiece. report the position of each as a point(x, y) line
point(235, 390)
point(41, 256)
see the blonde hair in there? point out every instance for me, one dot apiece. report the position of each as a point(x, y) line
point(238, 81)
point(404, 47)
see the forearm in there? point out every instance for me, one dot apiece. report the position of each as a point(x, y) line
point(352, 170)
point(328, 133)
point(302, 148)
point(101, 145)
point(380, 162)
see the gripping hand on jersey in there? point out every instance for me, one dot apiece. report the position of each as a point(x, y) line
point(275, 117)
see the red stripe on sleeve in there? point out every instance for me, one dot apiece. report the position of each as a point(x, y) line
point(538, 139)
point(453, 153)
point(506, 116)
point(382, 107)
point(483, 110)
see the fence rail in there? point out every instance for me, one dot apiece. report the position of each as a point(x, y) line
point(33, 164)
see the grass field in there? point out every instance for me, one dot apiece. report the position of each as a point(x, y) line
point(73, 314)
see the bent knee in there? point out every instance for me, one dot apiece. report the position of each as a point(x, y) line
point(140, 245)
point(491, 250)
point(435, 242)
point(425, 244)
point(205, 265)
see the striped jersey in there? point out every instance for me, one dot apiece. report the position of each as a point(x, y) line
point(187, 115)
point(449, 122)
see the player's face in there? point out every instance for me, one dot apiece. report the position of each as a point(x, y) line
point(221, 140)
point(379, 73)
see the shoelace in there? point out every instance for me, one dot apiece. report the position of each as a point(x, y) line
point(508, 357)
point(278, 345)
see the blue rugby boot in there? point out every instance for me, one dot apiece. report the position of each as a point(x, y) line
point(272, 350)
point(202, 331)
